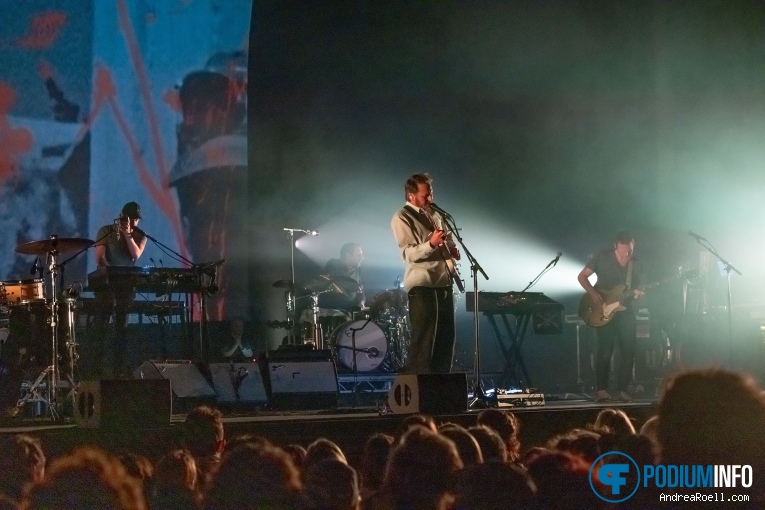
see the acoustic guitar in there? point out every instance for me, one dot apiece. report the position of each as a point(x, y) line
point(616, 299)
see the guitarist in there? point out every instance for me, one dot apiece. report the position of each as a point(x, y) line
point(614, 266)
point(425, 248)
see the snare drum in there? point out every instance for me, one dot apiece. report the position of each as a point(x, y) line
point(371, 345)
point(23, 291)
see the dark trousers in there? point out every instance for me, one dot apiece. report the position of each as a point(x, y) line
point(110, 332)
point(431, 347)
point(619, 332)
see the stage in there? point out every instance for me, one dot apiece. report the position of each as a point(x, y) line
point(356, 416)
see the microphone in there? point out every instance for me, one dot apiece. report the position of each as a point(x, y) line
point(698, 237)
point(136, 229)
point(555, 260)
point(36, 266)
point(438, 209)
point(152, 261)
point(309, 232)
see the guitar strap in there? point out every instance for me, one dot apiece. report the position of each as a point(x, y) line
point(628, 281)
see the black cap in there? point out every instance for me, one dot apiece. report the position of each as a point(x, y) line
point(131, 210)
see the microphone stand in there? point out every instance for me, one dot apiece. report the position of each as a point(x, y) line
point(728, 268)
point(291, 322)
point(62, 266)
point(199, 270)
point(480, 398)
point(542, 273)
point(355, 366)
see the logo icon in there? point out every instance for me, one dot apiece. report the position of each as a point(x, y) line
point(614, 477)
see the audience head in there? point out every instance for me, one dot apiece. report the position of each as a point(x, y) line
point(494, 486)
point(86, 479)
point(562, 481)
point(137, 466)
point(373, 460)
point(615, 420)
point(506, 424)
point(203, 432)
point(21, 461)
point(297, 452)
point(421, 420)
point(650, 429)
point(492, 446)
point(421, 470)
point(322, 449)
point(176, 469)
point(712, 417)
point(578, 441)
point(331, 484)
point(467, 446)
point(254, 477)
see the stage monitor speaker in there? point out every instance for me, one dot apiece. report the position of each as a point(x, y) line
point(303, 379)
point(429, 393)
point(236, 382)
point(120, 403)
point(189, 387)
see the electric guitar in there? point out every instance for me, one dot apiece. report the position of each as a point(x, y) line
point(616, 300)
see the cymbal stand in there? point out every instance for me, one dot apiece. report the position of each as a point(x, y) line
point(318, 336)
point(50, 374)
point(480, 397)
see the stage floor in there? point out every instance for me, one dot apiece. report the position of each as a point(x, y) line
point(359, 411)
point(348, 425)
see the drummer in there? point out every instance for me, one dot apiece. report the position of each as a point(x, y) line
point(348, 266)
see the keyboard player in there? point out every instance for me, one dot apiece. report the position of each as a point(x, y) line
point(118, 244)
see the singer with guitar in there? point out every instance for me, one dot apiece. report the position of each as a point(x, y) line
point(614, 267)
point(118, 244)
point(428, 252)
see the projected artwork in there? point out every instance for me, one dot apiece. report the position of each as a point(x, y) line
point(103, 103)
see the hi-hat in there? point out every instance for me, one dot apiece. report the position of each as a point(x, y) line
point(282, 284)
point(57, 244)
point(325, 283)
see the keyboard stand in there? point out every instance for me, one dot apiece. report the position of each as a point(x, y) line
point(513, 352)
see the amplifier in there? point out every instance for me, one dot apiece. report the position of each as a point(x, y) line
point(303, 379)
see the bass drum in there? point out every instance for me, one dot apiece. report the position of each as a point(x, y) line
point(371, 345)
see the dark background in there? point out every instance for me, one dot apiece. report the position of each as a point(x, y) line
point(548, 126)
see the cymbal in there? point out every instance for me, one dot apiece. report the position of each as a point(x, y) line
point(340, 284)
point(60, 244)
point(390, 302)
point(282, 284)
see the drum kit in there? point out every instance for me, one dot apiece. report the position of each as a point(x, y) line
point(362, 339)
point(29, 319)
